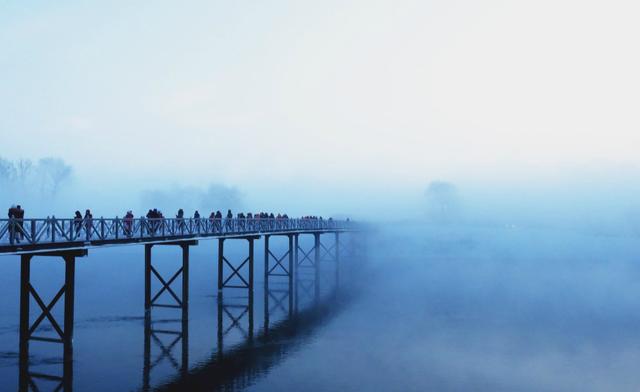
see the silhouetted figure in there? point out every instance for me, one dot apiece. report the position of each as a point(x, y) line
point(13, 215)
point(229, 221)
point(180, 220)
point(128, 223)
point(20, 222)
point(196, 218)
point(218, 220)
point(88, 223)
point(212, 221)
point(77, 223)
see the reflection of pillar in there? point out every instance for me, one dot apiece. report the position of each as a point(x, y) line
point(251, 316)
point(146, 368)
point(266, 311)
point(235, 313)
point(176, 336)
point(220, 326)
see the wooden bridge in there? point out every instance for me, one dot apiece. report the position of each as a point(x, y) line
point(69, 239)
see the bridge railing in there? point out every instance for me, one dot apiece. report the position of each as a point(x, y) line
point(55, 230)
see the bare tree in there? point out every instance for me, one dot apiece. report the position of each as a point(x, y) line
point(442, 201)
point(7, 171)
point(53, 172)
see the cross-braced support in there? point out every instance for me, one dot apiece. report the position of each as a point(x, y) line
point(150, 300)
point(330, 254)
point(308, 259)
point(278, 269)
point(235, 312)
point(63, 334)
point(159, 335)
point(245, 282)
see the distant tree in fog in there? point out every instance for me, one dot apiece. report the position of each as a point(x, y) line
point(24, 179)
point(442, 201)
point(52, 172)
point(221, 195)
point(7, 171)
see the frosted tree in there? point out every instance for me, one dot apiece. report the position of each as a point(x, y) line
point(442, 201)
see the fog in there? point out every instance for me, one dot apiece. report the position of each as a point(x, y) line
point(489, 148)
point(593, 199)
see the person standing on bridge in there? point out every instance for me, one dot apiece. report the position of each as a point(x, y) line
point(13, 215)
point(218, 220)
point(229, 221)
point(20, 222)
point(196, 218)
point(88, 223)
point(249, 221)
point(128, 223)
point(77, 223)
point(212, 222)
point(180, 220)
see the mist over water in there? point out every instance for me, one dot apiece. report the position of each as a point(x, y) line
point(489, 148)
point(436, 307)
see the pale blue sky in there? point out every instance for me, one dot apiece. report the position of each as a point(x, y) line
point(366, 95)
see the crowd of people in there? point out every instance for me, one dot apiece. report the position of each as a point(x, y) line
point(154, 222)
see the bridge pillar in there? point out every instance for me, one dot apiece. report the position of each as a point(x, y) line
point(246, 282)
point(278, 269)
point(159, 335)
point(235, 311)
point(181, 302)
point(64, 333)
point(337, 259)
point(316, 263)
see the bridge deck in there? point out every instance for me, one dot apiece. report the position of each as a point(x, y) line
point(40, 235)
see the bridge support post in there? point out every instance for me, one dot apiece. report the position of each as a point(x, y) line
point(150, 271)
point(337, 258)
point(278, 269)
point(179, 334)
point(236, 271)
point(234, 311)
point(64, 333)
point(316, 248)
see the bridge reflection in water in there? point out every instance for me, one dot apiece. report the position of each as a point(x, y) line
point(301, 292)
